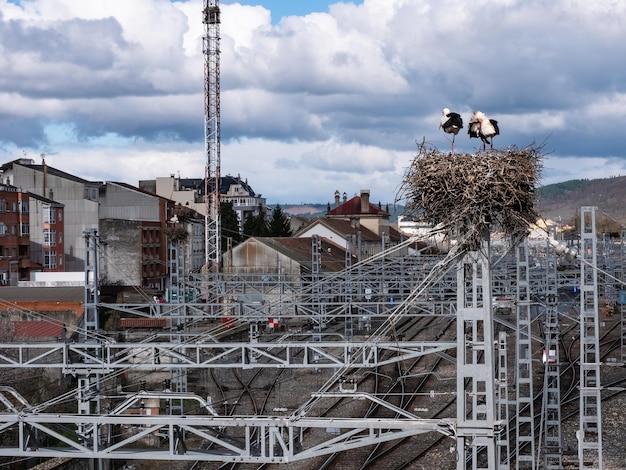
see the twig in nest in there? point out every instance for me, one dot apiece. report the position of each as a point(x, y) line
point(469, 194)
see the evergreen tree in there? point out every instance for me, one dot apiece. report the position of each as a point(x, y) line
point(279, 225)
point(230, 224)
point(255, 225)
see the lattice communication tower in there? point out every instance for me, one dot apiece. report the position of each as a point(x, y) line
point(211, 42)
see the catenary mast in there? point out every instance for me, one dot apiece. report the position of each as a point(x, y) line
point(211, 41)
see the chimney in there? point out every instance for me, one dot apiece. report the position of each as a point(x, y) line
point(365, 201)
point(337, 198)
point(345, 197)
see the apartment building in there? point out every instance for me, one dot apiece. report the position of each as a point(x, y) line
point(47, 234)
point(131, 225)
point(15, 263)
point(79, 198)
point(190, 192)
point(133, 242)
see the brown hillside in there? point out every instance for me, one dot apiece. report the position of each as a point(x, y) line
point(565, 199)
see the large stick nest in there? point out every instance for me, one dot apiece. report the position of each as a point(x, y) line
point(469, 195)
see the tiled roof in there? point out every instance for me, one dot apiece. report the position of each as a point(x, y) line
point(143, 322)
point(38, 329)
point(353, 207)
point(332, 257)
point(344, 227)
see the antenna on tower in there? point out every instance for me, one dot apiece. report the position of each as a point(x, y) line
point(211, 48)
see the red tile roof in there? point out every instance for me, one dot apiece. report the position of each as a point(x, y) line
point(38, 329)
point(353, 207)
point(344, 227)
point(143, 322)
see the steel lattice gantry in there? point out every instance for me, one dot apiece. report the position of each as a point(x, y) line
point(590, 431)
point(480, 428)
point(622, 293)
point(525, 429)
point(476, 407)
point(502, 403)
point(551, 412)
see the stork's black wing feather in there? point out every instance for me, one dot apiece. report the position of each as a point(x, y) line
point(494, 123)
point(473, 130)
point(454, 120)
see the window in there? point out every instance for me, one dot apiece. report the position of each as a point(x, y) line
point(3, 229)
point(49, 237)
point(91, 194)
point(48, 215)
point(24, 230)
point(50, 260)
point(60, 218)
point(60, 237)
point(23, 207)
point(3, 205)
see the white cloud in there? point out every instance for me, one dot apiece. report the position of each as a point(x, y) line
point(314, 103)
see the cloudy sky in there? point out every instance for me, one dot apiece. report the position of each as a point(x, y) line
point(316, 96)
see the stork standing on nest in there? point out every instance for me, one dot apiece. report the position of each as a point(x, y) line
point(482, 127)
point(451, 123)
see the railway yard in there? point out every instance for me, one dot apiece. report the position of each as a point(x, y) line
point(359, 369)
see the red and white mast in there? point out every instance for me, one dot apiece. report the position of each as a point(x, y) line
point(211, 49)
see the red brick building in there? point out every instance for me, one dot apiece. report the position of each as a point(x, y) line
point(15, 264)
point(47, 237)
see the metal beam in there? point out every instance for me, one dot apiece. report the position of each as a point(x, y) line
point(278, 439)
point(106, 357)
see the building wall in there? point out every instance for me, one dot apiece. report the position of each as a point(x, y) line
point(197, 245)
point(47, 251)
point(65, 312)
point(121, 202)
point(141, 218)
point(253, 257)
point(14, 236)
point(120, 252)
point(169, 188)
point(244, 203)
point(376, 224)
point(324, 232)
point(79, 197)
point(154, 249)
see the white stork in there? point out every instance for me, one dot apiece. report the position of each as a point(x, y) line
point(451, 123)
point(483, 127)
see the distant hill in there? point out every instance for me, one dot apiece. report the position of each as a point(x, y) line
point(565, 199)
point(314, 210)
point(303, 210)
point(562, 200)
